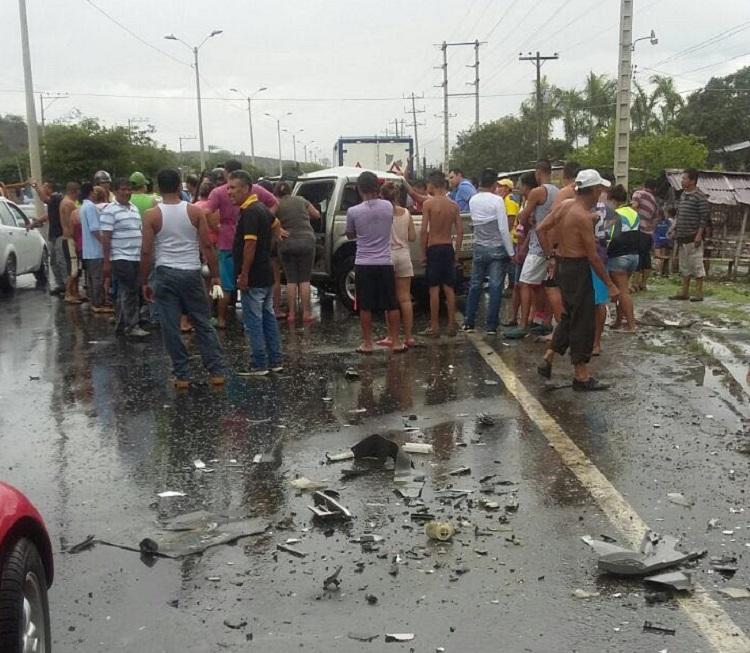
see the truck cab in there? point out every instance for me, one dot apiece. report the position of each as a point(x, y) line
point(333, 192)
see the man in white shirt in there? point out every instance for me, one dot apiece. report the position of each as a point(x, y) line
point(493, 248)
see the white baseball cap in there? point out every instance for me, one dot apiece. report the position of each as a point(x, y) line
point(590, 177)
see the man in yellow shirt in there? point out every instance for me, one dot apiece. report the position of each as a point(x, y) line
point(512, 208)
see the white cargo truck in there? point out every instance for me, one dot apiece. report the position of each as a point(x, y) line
point(391, 154)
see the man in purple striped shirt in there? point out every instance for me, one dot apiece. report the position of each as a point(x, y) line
point(648, 211)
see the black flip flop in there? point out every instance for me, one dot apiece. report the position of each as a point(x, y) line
point(545, 369)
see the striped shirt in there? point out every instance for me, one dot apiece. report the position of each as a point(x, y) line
point(692, 215)
point(647, 209)
point(124, 221)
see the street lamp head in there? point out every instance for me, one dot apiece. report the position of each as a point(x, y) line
point(234, 90)
point(654, 40)
point(216, 32)
point(171, 37)
point(262, 88)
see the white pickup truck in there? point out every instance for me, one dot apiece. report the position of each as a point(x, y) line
point(333, 192)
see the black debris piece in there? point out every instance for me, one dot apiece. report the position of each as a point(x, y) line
point(235, 623)
point(461, 471)
point(148, 546)
point(362, 637)
point(291, 550)
point(649, 627)
point(87, 544)
point(376, 446)
point(371, 599)
point(333, 581)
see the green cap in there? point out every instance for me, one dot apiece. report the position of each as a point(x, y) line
point(138, 179)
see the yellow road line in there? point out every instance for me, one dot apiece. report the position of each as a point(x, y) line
point(710, 618)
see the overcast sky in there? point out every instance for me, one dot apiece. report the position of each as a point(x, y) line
point(312, 55)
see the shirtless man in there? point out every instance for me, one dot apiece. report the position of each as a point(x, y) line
point(439, 215)
point(576, 253)
point(67, 222)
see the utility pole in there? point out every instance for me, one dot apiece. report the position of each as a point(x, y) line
point(475, 83)
point(414, 124)
point(446, 115)
point(35, 161)
point(622, 113)
point(538, 61)
point(53, 97)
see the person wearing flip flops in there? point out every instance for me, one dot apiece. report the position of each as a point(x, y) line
point(576, 255)
point(692, 218)
point(370, 224)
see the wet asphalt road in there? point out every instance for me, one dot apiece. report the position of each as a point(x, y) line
point(101, 432)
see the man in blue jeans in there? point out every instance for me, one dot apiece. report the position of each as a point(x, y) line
point(252, 263)
point(493, 248)
point(178, 231)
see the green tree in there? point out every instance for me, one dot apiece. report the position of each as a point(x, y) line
point(550, 110)
point(667, 100)
point(505, 144)
point(720, 114)
point(571, 105)
point(642, 111)
point(599, 94)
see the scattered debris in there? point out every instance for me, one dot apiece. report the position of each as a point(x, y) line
point(417, 447)
point(235, 623)
point(170, 493)
point(485, 420)
point(333, 581)
point(735, 592)
point(680, 499)
point(199, 464)
point(584, 594)
point(653, 318)
point(439, 530)
point(676, 580)
point(87, 544)
point(376, 446)
point(649, 627)
point(306, 484)
point(351, 374)
point(371, 599)
point(327, 506)
point(339, 457)
point(362, 637)
point(291, 550)
point(491, 382)
point(726, 565)
point(461, 471)
point(713, 524)
point(656, 553)
point(399, 637)
point(148, 546)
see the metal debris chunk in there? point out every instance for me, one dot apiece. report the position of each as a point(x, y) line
point(680, 499)
point(735, 592)
point(649, 627)
point(327, 506)
point(399, 637)
point(291, 550)
point(333, 581)
point(676, 580)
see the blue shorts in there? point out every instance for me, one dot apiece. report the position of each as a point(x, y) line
point(226, 271)
point(601, 292)
point(625, 263)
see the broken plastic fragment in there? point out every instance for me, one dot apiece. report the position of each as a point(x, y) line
point(649, 627)
point(304, 483)
point(399, 637)
point(439, 530)
point(333, 579)
point(171, 493)
point(339, 457)
point(417, 447)
point(327, 506)
point(679, 499)
point(735, 592)
point(676, 580)
point(291, 550)
point(199, 464)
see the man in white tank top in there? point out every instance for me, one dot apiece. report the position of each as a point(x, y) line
point(179, 232)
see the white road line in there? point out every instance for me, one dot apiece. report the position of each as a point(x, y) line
point(710, 618)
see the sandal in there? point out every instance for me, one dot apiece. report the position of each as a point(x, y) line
point(400, 350)
point(385, 342)
point(410, 342)
point(364, 352)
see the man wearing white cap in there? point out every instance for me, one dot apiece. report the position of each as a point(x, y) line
point(576, 251)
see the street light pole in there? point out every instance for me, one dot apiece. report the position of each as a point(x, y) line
point(172, 37)
point(294, 141)
point(249, 99)
point(184, 138)
point(278, 132)
point(35, 161)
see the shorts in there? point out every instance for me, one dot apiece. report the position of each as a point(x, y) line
point(402, 265)
point(625, 263)
point(534, 270)
point(644, 251)
point(691, 260)
point(71, 257)
point(376, 288)
point(441, 266)
point(226, 271)
point(601, 292)
point(297, 256)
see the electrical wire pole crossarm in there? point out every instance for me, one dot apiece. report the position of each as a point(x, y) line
point(414, 124)
point(538, 60)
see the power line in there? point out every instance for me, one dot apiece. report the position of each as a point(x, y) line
point(134, 35)
point(709, 41)
point(502, 18)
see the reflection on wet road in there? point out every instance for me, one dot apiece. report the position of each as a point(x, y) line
point(101, 433)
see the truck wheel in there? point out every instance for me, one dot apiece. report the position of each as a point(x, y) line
point(24, 609)
point(42, 274)
point(345, 287)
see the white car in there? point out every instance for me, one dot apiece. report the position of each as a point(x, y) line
point(22, 251)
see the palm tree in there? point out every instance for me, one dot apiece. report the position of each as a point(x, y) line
point(571, 104)
point(599, 93)
point(642, 111)
point(668, 100)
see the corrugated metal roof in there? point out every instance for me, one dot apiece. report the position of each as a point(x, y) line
point(728, 188)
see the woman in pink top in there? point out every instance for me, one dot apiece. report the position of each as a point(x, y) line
point(402, 233)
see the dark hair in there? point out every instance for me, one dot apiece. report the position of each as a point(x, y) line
point(242, 176)
point(571, 169)
point(121, 182)
point(204, 190)
point(86, 189)
point(389, 191)
point(218, 176)
point(650, 184)
point(437, 179)
point(72, 187)
point(168, 180)
point(457, 171)
point(282, 189)
point(608, 176)
point(267, 184)
point(420, 183)
point(619, 194)
point(191, 180)
point(528, 179)
point(232, 165)
point(367, 182)
point(544, 165)
point(488, 178)
point(692, 173)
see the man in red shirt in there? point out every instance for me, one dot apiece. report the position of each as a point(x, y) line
point(229, 213)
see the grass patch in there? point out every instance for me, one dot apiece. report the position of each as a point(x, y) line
point(729, 300)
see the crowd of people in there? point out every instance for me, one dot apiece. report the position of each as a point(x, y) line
point(176, 260)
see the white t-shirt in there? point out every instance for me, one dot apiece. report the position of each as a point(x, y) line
point(490, 221)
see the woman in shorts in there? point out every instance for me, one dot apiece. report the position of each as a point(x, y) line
point(622, 255)
point(402, 233)
point(297, 249)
